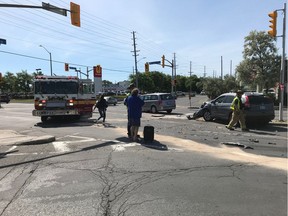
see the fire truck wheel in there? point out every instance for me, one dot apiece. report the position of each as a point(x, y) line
point(44, 118)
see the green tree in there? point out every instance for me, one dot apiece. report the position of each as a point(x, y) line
point(106, 83)
point(23, 82)
point(261, 64)
point(216, 86)
point(191, 83)
point(9, 83)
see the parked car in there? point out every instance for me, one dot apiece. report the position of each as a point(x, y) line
point(158, 102)
point(111, 100)
point(180, 93)
point(202, 92)
point(5, 99)
point(258, 108)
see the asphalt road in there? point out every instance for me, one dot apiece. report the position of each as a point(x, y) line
point(93, 169)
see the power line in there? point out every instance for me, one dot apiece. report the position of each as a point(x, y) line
point(61, 62)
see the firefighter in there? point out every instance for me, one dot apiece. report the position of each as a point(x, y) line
point(237, 108)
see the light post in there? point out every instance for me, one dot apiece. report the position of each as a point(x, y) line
point(50, 59)
point(137, 70)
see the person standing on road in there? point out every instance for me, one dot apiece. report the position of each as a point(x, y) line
point(130, 88)
point(237, 108)
point(134, 104)
point(102, 106)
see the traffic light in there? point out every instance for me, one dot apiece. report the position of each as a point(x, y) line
point(163, 61)
point(66, 67)
point(273, 21)
point(75, 14)
point(147, 67)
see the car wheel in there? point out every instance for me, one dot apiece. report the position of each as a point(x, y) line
point(44, 118)
point(169, 111)
point(153, 109)
point(207, 115)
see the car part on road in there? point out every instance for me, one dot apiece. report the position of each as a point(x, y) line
point(237, 145)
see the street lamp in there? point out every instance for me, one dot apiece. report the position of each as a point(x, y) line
point(137, 70)
point(50, 59)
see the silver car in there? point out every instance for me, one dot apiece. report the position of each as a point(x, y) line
point(111, 100)
point(155, 102)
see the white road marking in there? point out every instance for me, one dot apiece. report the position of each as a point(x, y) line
point(122, 147)
point(61, 146)
point(12, 148)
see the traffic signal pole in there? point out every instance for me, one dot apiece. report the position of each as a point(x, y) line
point(273, 33)
point(282, 74)
point(283, 62)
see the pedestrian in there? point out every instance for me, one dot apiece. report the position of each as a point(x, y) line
point(237, 108)
point(101, 105)
point(130, 88)
point(134, 103)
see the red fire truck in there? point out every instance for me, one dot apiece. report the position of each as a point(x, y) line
point(58, 96)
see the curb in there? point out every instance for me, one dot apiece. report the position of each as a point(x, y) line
point(38, 140)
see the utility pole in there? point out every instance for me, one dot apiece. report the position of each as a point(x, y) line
point(221, 67)
point(204, 71)
point(135, 58)
point(190, 83)
point(174, 67)
point(230, 67)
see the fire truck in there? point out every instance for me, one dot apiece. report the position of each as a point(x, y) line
point(63, 96)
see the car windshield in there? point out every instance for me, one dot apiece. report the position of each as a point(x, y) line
point(166, 97)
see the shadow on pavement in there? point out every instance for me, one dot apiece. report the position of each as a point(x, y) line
point(122, 140)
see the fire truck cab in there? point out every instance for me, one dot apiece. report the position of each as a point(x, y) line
point(58, 96)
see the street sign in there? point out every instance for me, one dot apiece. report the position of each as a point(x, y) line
point(155, 62)
point(73, 68)
point(52, 8)
point(2, 41)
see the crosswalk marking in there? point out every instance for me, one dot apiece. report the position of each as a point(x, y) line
point(61, 146)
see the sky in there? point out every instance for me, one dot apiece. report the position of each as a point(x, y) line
point(196, 32)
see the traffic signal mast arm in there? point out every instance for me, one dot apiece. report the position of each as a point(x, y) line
point(171, 64)
point(74, 10)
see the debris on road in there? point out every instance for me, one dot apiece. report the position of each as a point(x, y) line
point(237, 145)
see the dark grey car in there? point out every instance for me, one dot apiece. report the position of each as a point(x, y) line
point(258, 108)
point(4, 98)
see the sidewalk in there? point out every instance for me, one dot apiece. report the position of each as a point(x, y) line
point(10, 137)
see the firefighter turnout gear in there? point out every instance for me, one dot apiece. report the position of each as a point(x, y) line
point(237, 108)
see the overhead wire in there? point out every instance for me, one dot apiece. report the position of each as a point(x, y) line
point(114, 37)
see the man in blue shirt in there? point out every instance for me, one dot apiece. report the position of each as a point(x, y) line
point(134, 104)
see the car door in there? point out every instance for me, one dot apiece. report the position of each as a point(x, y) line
point(217, 107)
point(226, 110)
point(146, 106)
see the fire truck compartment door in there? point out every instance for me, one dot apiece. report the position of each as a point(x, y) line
point(54, 112)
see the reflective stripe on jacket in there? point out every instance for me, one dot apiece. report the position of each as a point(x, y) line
point(234, 105)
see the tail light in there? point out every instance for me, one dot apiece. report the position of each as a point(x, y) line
point(42, 103)
point(70, 102)
point(247, 103)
